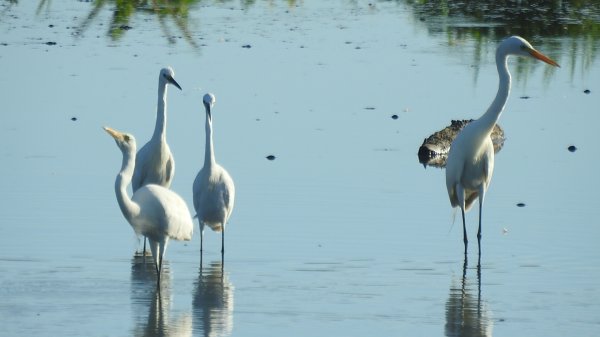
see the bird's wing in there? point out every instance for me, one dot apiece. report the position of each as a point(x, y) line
point(454, 170)
point(228, 193)
point(140, 170)
point(198, 190)
point(169, 170)
point(163, 212)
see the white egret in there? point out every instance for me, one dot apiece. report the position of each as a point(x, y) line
point(470, 161)
point(154, 162)
point(214, 191)
point(153, 211)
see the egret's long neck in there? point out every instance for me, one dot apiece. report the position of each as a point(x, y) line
point(160, 130)
point(492, 114)
point(129, 208)
point(209, 152)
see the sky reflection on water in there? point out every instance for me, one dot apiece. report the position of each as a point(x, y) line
point(344, 232)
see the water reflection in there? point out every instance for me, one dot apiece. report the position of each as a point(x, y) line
point(213, 301)
point(504, 18)
point(576, 22)
point(168, 13)
point(467, 315)
point(151, 304)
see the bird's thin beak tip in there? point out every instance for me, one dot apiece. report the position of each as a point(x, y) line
point(543, 58)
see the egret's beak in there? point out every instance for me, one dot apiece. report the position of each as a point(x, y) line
point(114, 133)
point(173, 82)
point(536, 54)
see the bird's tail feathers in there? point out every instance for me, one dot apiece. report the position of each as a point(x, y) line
point(454, 209)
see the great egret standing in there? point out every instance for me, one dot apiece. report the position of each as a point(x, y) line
point(154, 211)
point(214, 191)
point(470, 161)
point(154, 162)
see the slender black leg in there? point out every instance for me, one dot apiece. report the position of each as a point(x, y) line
point(479, 230)
point(464, 230)
point(144, 251)
point(201, 246)
point(223, 245)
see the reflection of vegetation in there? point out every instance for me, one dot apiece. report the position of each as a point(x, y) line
point(576, 22)
point(123, 10)
point(527, 18)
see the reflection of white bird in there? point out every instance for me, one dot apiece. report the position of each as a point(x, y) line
point(214, 191)
point(470, 161)
point(154, 162)
point(213, 302)
point(154, 211)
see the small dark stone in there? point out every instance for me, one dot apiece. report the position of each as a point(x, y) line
point(51, 43)
point(521, 204)
point(271, 157)
point(587, 91)
point(50, 26)
point(125, 27)
point(572, 148)
point(370, 108)
point(394, 116)
point(73, 119)
point(525, 97)
point(247, 46)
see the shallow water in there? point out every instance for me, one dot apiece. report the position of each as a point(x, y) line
point(344, 233)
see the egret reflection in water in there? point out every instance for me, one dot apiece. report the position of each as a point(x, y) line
point(213, 301)
point(151, 304)
point(467, 314)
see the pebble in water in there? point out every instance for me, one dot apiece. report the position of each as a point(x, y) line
point(521, 204)
point(572, 148)
point(270, 157)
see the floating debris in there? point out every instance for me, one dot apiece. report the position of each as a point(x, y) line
point(434, 150)
point(394, 116)
point(587, 91)
point(572, 148)
point(51, 43)
point(247, 46)
point(525, 97)
point(74, 119)
point(125, 27)
point(369, 108)
point(521, 204)
point(270, 157)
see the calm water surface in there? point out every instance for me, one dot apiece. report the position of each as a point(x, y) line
point(344, 233)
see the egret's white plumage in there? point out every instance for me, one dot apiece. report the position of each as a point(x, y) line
point(214, 191)
point(470, 162)
point(154, 163)
point(153, 211)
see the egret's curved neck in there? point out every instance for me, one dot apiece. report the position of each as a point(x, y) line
point(129, 208)
point(209, 152)
point(160, 130)
point(493, 112)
